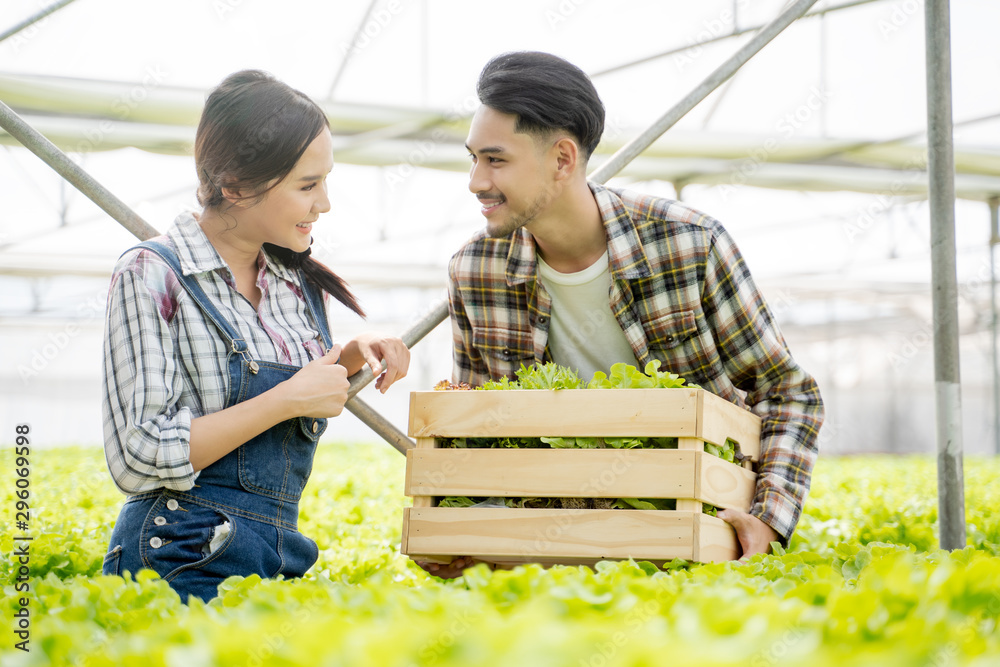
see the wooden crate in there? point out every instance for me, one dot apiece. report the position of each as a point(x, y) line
point(576, 536)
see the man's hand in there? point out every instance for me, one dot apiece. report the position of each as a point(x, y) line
point(755, 535)
point(450, 571)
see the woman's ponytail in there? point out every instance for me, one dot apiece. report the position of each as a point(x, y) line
point(317, 273)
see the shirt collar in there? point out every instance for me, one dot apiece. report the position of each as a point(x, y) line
point(626, 257)
point(198, 255)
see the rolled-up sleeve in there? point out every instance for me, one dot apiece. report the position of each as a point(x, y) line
point(778, 390)
point(146, 433)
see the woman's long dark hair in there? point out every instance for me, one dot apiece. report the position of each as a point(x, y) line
point(252, 132)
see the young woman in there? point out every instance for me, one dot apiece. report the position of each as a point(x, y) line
point(220, 370)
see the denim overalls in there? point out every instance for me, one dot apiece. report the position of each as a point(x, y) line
point(241, 516)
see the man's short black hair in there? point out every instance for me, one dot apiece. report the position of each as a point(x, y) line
point(546, 94)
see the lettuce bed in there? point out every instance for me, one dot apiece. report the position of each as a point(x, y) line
point(861, 584)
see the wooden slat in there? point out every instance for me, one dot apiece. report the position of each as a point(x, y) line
point(570, 412)
point(694, 446)
point(716, 540)
point(423, 445)
point(719, 419)
point(724, 484)
point(551, 473)
point(523, 535)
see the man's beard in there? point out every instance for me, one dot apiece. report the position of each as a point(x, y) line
point(515, 221)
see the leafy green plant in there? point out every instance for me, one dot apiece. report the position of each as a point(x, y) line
point(861, 584)
point(626, 376)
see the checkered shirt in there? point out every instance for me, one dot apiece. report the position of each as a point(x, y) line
point(165, 363)
point(682, 294)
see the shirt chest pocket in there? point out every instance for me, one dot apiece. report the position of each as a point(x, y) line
point(504, 350)
point(671, 330)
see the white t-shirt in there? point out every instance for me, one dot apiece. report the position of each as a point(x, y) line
point(583, 332)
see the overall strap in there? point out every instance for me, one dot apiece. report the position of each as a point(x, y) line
point(313, 296)
point(232, 336)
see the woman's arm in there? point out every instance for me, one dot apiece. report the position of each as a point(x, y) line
point(150, 440)
point(318, 390)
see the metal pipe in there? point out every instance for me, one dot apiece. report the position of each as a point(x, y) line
point(72, 172)
point(735, 33)
point(413, 335)
point(349, 53)
point(54, 7)
point(629, 152)
point(994, 204)
point(376, 422)
point(941, 187)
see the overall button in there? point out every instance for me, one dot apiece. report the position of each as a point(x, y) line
point(159, 521)
point(315, 426)
point(172, 504)
point(156, 543)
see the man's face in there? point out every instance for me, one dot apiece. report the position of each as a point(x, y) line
point(510, 172)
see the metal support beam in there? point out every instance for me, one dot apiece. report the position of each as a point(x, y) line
point(410, 337)
point(941, 174)
point(72, 172)
point(376, 422)
point(994, 240)
point(349, 53)
point(737, 31)
point(631, 150)
point(635, 147)
point(118, 210)
point(13, 30)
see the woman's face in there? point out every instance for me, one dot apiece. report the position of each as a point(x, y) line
point(286, 214)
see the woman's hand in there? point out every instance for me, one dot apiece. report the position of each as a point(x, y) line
point(319, 389)
point(372, 349)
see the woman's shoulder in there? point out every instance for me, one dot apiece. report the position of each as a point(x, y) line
point(140, 269)
point(143, 261)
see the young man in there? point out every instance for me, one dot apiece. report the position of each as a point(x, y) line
point(587, 276)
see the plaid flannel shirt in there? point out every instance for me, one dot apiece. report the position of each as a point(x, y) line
point(682, 294)
point(165, 362)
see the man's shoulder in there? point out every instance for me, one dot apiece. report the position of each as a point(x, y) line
point(480, 248)
point(649, 211)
